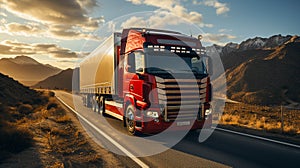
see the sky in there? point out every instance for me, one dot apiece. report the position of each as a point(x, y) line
point(62, 33)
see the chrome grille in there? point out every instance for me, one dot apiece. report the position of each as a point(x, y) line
point(184, 95)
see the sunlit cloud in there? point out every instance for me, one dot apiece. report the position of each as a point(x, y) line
point(8, 47)
point(221, 8)
point(134, 21)
point(49, 11)
point(49, 15)
point(220, 39)
point(70, 32)
point(224, 30)
point(64, 32)
point(159, 19)
point(24, 29)
point(174, 7)
point(3, 14)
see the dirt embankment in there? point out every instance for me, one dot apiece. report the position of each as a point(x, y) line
point(36, 131)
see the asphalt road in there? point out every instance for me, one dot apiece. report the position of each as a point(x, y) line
point(221, 149)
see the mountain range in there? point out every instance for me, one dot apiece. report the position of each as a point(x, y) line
point(26, 70)
point(262, 70)
point(62, 80)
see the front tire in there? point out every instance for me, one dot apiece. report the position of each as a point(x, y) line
point(129, 120)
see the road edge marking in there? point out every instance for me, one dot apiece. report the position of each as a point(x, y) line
point(129, 154)
point(258, 137)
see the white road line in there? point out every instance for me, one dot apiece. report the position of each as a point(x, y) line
point(258, 137)
point(129, 154)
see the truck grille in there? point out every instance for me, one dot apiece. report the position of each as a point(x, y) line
point(184, 95)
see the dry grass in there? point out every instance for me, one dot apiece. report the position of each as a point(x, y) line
point(51, 130)
point(63, 119)
point(262, 118)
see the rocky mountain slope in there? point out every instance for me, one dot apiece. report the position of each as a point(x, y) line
point(26, 70)
point(12, 92)
point(263, 70)
point(62, 80)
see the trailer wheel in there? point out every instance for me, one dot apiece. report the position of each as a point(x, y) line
point(95, 106)
point(89, 100)
point(84, 100)
point(101, 105)
point(129, 120)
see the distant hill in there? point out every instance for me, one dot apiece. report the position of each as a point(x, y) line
point(62, 80)
point(263, 70)
point(26, 70)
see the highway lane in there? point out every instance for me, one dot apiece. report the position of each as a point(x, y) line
point(222, 149)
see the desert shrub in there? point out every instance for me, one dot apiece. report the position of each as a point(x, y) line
point(226, 118)
point(59, 131)
point(260, 124)
point(27, 101)
point(51, 94)
point(63, 119)
point(14, 116)
point(14, 140)
point(51, 105)
point(290, 130)
point(40, 100)
point(25, 108)
point(243, 121)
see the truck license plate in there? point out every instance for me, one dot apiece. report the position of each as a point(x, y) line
point(183, 123)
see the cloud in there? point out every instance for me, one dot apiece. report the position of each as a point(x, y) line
point(174, 7)
point(49, 14)
point(70, 32)
point(3, 14)
point(21, 28)
point(221, 8)
point(48, 11)
point(224, 30)
point(65, 32)
point(159, 19)
point(134, 22)
point(67, 61)
point(18, 48)
point(220, 39)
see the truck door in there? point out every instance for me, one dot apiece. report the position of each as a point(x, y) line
point(133, 83)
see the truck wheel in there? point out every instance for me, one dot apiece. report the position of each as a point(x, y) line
point(129, 120)
point(101, 105)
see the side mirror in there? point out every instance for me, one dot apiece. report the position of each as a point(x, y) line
point(207, 61)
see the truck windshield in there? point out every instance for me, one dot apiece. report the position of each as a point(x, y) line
point(174, 63)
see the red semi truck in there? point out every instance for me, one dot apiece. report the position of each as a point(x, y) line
point(149, 79)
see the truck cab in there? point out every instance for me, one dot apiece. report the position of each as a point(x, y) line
point(152, 80)
point(165, 81)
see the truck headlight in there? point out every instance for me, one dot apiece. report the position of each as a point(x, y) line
point(152, 114)
point(208, 111)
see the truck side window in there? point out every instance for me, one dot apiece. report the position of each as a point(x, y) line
point(131, 63)
point(198, 65)
point(139, 62)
